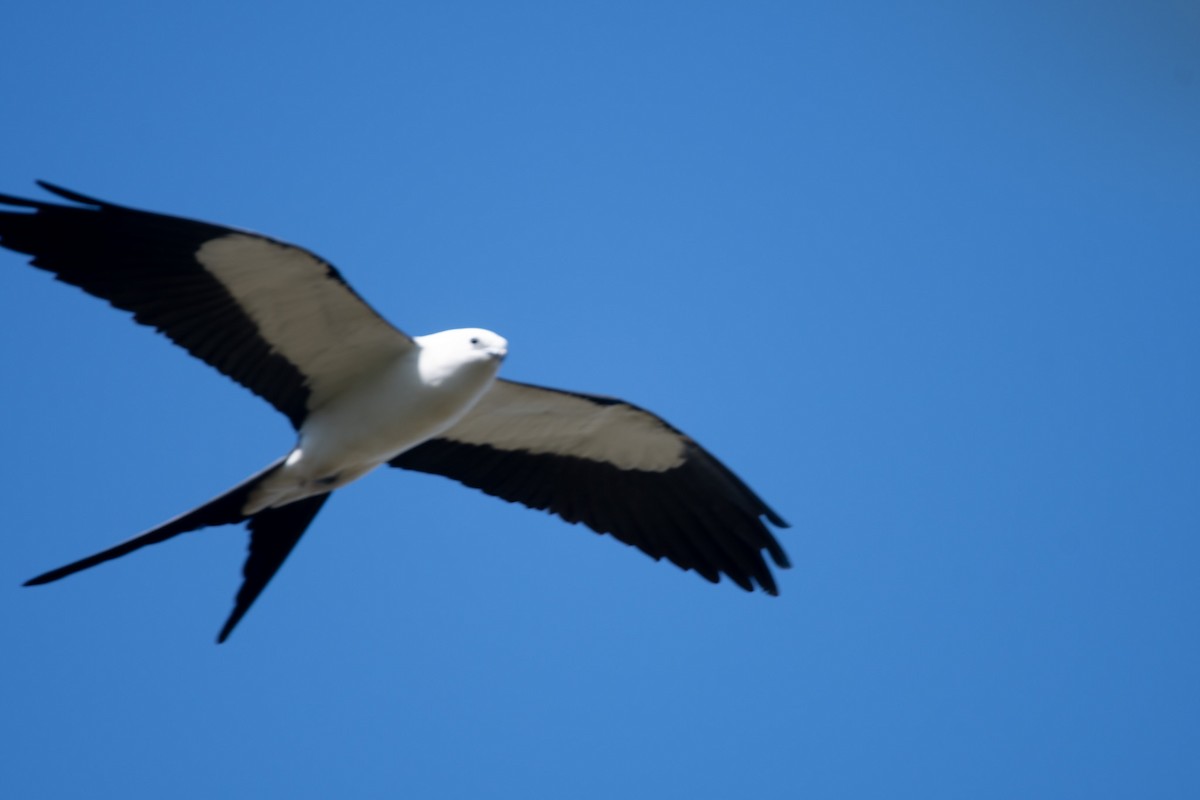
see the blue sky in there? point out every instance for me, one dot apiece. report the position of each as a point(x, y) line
point(924, 274)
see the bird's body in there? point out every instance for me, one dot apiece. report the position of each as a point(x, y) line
point(385, 412)
point(360, 394)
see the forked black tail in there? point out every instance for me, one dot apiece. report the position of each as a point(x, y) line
point(273, 534)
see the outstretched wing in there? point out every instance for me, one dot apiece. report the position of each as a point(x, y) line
point(617, 469)
point(272, 316)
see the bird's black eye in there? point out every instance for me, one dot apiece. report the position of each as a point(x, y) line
point(474, 340)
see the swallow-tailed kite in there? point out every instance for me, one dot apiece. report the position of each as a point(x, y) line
point(283, 323)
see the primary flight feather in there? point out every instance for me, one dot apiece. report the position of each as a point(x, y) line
point(360, 393)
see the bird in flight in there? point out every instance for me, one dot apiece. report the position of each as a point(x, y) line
point(360, 393)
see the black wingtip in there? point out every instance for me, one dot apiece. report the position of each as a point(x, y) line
point(67, 194)
point(775, 519)
point(778, 555)
point(20, 202)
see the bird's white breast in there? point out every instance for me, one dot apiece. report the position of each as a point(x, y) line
point(381, 415)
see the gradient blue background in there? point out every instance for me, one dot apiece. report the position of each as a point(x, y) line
point(926, 275)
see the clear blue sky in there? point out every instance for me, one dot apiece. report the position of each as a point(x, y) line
point(925, 275)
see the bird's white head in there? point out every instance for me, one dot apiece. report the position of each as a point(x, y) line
point(461, 349)
point(468, 344)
